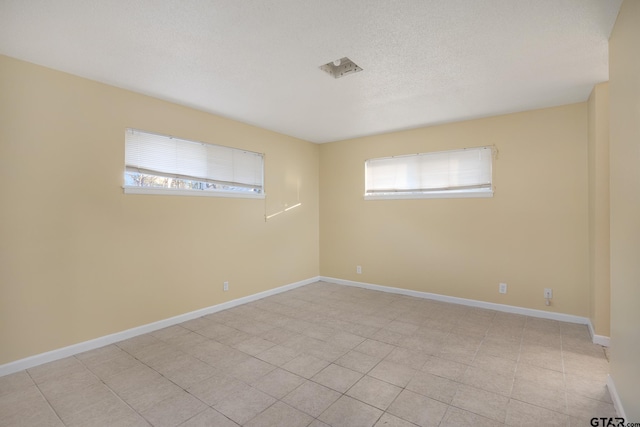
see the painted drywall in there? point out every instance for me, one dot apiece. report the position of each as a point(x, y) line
point(624, 86)
point(79, 259)
point(532, 234)
point(599, 272)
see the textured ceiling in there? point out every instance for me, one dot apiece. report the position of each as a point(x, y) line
point(256, 61)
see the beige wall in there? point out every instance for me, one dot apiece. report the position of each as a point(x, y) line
point(624, 75)
point(532, 234)
point(79, 259)
point(599, 209)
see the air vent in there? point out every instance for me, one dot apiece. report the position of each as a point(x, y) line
point(341, 67)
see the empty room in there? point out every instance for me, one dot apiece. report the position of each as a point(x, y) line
point(368, 213)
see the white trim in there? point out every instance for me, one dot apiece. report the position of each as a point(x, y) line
point(60, 353)
point(156, 191)
point(617, 403)
point(598, 339)
point(452, 194)
point(463, 301)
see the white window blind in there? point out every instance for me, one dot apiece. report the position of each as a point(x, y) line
point(455, 173)
point(159, 161)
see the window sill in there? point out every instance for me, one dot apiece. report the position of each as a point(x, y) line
point(183, 192)
point(443, 195)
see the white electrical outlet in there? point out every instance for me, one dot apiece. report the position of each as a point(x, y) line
point(225, 286)
point(502, 288)
point(548, 293)
point(358, 269)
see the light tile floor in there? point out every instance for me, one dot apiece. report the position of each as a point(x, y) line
point(326, 355)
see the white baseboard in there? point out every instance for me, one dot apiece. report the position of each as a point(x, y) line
point(598, 339)
point(617, 403)
point(60, 353)
point(50, 356)
point(463, 301)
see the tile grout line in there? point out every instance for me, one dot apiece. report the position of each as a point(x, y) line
point(564, 376)
point(113, 392)
point(45, 398)
point(388, 317)
point(515, 373)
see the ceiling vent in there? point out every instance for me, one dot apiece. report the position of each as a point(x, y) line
point(341, 67)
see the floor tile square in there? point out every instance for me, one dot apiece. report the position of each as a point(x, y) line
point(26, 406)
point(586, 408)
point(216, 331)
point(456, 417)
point(327, 351)
point(14, 382)
point(57, 369)
point(243, 405)
point(530, 392)
point(61, 385)
point(337, 377)
point(541, 356)
point(174, 410)
point(388, 420)
point(393, 373)
point(279, 335)
point(524, 414)
point(429, 385)
point(357, 361)
point(481, 402)
point(374, 392)
point(321, 333)
point(495, 363)
point(346, 339)
point(135, 345)
point(187, 371)
point(588, 365)
point(445, 368)
point(407, 357)
point(401, 327)
point(278, 355)
point(587, 387)
point(389, 337)
point(504, 349)
point(132, 419)
point(348, 412)
point(99, 355)
point(214, 389)
point(458, 352)
point(374, 348)
point(114, 365)
point(278, 415)
point(417, 409)
point(489, 380)
point(209, 418)
point(305, 365)
point(545, 378)
point(318, 423)
point(159, 355)
point(278, 383)
point(104, 412)
point(311, 398)
point(196, 324)
point(251, 370)
point(75, 400)
point(254, 345)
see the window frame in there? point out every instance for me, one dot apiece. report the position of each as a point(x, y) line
point(250, 193)
point(482, 192)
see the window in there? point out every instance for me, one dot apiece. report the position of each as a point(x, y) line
point(159, 164)
point(455, 173)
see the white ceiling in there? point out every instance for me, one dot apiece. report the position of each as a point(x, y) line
point(256, 61)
